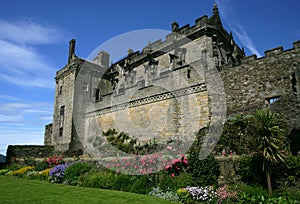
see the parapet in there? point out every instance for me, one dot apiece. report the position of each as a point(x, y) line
point(297, 45)
point(274, 51)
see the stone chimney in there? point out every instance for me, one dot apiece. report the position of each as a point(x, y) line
point(71, 50)
point(102, 59)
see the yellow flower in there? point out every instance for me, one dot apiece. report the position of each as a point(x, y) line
point(45, 172)
point(23, 170)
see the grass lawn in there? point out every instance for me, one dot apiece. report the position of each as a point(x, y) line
point(16, 190)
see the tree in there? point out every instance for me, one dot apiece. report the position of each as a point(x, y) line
point(269, 132)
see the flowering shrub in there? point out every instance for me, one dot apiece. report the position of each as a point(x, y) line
point(168, 195)
point(57, 173)
point(206, 194)
point(54, 161)
point(137, 165)
point(178, 165)
point(20, 172)
point(224, 193)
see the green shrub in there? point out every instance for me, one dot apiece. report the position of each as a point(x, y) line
point(204, 172)
point(122, 182)
point(98, 179)
point(183, 195)
point(250, 170)
point(168, 182)
point(74, 171)
point(256, 194)
point(39, 166)
point(143, 184)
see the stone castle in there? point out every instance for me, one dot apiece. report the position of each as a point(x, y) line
point(194, 77)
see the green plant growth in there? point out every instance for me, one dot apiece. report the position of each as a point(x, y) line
point(268, 130)
point(205, 172)
point(127, 144)
point(235, 136)
point(74, 171)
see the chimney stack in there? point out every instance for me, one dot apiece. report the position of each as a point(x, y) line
point(71, 50)
point(102, 59)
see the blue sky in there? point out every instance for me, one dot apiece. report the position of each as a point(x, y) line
point(34, 37)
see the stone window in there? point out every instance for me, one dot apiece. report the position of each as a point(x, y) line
point(60, 90)
point(62, 110)
point(61, 130)
point(85, 87)
point(97, 96)
point(188, 74)
point(272, 100)
point(61, 116)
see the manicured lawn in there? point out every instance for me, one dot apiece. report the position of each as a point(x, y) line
point(16, 190)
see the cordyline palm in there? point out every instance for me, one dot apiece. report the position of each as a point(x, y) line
point(269, 132)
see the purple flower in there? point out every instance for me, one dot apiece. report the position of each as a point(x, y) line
point(57, 173)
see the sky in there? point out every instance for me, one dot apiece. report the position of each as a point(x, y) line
point(35, 35)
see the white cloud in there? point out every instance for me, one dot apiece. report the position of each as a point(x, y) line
point(25, 112)
point(227, 13)
point(28, 32)
point(22, 121)
point(20, 62)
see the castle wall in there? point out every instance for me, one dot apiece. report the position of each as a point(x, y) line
point(48, 134)
point(270, 81)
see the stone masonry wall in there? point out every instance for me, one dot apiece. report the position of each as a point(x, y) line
point(265, 82)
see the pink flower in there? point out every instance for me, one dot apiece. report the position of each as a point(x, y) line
point(173, 175)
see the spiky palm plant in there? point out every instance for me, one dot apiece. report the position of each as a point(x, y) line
point(269, 132)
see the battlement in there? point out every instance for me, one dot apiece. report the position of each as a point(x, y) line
point(204, 26)
point(277, 51)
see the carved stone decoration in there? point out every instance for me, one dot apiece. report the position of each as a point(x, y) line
point(151, 69)
point(217, 53)
point(130, 78)
point(178, 58)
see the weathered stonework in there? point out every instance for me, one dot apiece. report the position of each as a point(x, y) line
point(270, 81)
point(172, 88)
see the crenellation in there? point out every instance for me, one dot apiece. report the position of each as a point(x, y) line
point(249, 59)
point(184, 29)
point(202, 21)
point(274, 51)
point(296, 45)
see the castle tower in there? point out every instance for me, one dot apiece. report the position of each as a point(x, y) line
point(63, 102)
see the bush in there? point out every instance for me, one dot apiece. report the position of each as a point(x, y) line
point(98, 179)
point(250, 170)
point(183, 195)
point(287, 176)
point(122, 182)
point(168, 182)
point(204, 172)
point(142, 184)
point(74, 171)
point(39, 166)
